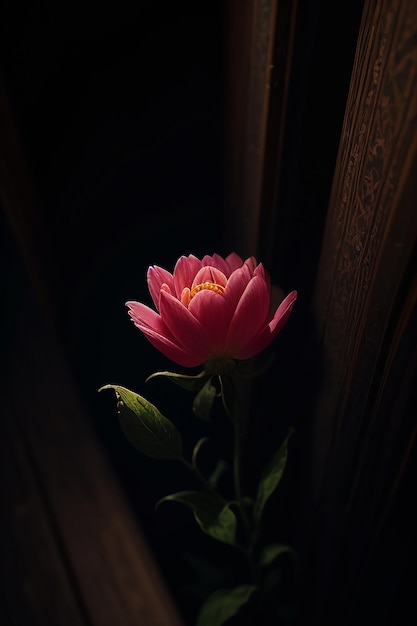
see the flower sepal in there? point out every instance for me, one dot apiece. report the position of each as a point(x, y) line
point(186, 381)
point(201, 383)
point(204, 399)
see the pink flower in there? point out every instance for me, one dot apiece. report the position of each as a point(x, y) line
point(208, 309)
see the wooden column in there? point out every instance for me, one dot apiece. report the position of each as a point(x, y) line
point(260, 39)
point(365, 306)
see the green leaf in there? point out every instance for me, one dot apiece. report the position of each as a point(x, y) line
point(224, 604)
point(212, 514)
point(271, 478)
point(203, 401)
point(273, 551)
point(191, 383)
point(145, 427)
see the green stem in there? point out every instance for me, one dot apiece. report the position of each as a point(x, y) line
point(201, 478)
point(237, 476)
point(233, 407)
point(237, 455)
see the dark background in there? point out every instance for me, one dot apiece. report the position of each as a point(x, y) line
point(120, 112)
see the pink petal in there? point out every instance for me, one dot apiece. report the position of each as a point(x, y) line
point(282, 313)
point(236, 285)
point(156, 276)
point(145, 317)
point(216, 261)
point(261, 271)
point(154, 329)
point(186, 296)
point(187, 330)
point(251, 264)
point(250, 313)
point(270, 331)
point(233, 262)
point(209, 274)
point(184, 271)
point(214, 313)
point(172, 351)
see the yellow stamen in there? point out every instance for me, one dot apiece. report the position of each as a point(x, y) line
point(207, 285)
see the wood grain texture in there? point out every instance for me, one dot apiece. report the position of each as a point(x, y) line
point(36, 585)
point(85, 559)
point(365, 301)
point(250, 48)
point(372, 219)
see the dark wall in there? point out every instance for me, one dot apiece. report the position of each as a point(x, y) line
point(119, 109)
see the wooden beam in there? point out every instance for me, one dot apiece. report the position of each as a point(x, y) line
point(365, 284)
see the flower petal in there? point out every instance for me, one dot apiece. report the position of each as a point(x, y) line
point(216, 261)
point(172, 351)
point(251, 264)
point(214, 313)
point(250, 314)
point(186, 296)
point(187, 330)
point(270, 331)
point(156, 277)
point(233, 262)
point(237, 284)
point(144, 316)
point(210, 274)
point(282, 313)
point(261, 271)
point(184, 271)
point(154, 329)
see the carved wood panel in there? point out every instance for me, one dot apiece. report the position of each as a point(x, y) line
point(365, 299)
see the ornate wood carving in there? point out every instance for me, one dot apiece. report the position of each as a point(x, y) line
point(365, 305)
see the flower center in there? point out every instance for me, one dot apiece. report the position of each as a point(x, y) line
point(207, 285)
